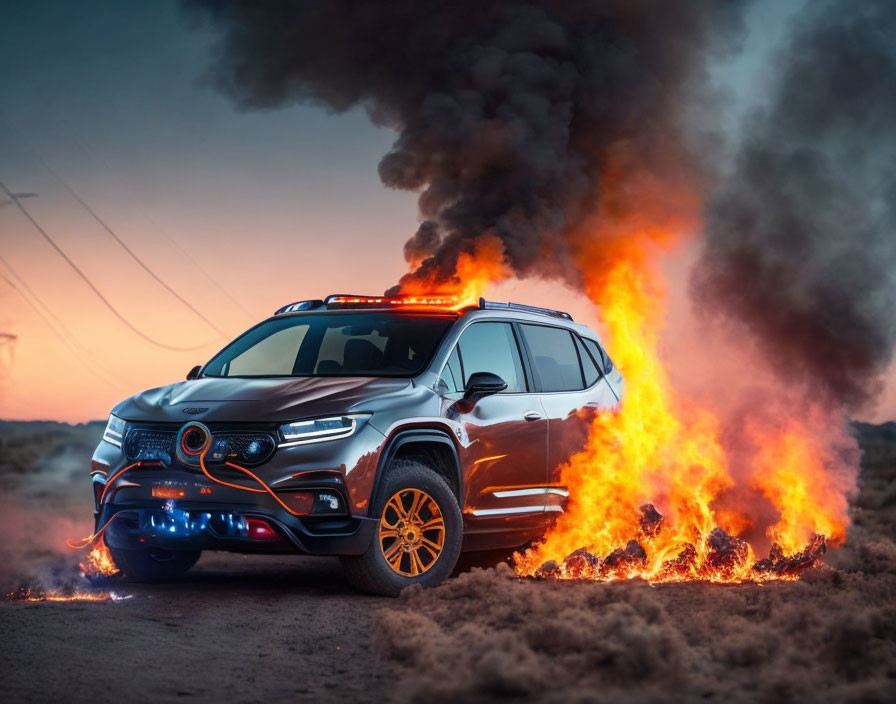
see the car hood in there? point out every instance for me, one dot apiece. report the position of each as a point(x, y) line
point(255, 400)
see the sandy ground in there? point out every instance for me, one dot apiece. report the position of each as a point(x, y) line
point(236, 629)
point(246, 629)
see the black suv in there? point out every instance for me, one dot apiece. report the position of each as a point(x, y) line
point(393, 432)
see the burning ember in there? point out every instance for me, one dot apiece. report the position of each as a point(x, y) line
point(27, 594)
point(98, 562)
point(723, 558)
point(96, 567)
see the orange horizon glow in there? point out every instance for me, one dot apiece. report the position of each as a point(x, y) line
point(41, 379)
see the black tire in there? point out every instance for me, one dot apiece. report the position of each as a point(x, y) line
point(151, 565)
point(371, 572)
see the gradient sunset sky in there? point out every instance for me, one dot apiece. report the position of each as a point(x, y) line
point(239, 212)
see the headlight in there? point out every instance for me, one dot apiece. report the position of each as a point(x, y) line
point(320, 429)
point(114, 432)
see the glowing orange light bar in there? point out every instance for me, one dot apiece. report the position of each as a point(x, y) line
point(167, 492)
point(429, 300)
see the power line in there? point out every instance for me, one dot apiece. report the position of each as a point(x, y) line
point(127, 249)
point(90, 284)
point(73, 137)
point(101, 375)
point(25, 291)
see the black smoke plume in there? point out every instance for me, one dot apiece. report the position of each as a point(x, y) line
point(507, 112)
point(513, 118)
point(801, 236)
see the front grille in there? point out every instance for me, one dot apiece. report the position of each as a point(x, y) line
point(143, 445)
point(149, 444)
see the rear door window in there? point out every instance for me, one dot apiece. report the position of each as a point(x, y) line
point(555, 358)
point(491, 347)
point(598, 352)
point(589, 367)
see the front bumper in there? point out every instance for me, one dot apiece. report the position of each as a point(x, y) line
point(208, 516)
point(204, 526)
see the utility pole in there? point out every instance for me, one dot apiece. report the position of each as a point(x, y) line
point(15, 197)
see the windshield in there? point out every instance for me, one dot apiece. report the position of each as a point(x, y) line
point(333, 344)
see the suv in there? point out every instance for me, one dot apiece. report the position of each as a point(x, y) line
point(392, 432)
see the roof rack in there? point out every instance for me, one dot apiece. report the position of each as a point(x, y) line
point(522, 307)
point(300, 305)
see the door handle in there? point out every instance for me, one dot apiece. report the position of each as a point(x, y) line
point(532, 415)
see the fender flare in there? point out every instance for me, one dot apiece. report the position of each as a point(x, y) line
point(416, 435)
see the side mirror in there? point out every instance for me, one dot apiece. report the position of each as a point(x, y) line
point(194, 373)
point(482, 384)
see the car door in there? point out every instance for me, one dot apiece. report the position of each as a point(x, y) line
point(572, 389)
point(505, 459)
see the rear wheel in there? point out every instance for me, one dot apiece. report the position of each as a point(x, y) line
point(418, 537)
point(152, 565)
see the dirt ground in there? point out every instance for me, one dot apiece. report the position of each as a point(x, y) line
point(246, 629)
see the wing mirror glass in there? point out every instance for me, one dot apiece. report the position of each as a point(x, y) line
point(482, 384)
point(194, 373)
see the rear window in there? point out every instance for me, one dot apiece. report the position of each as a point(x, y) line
point(589, 368)
point(555, 357)
point(333, 344)
point(598, 353)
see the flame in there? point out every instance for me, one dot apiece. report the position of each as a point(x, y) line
point(645, 491)
point(30, 595)
point(790, 473)
point(474, 271)
point(98, 562)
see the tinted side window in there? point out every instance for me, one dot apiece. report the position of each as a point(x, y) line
point(555, 357)
point(491, 347)
point(588, 365)
point(452, 374)
point(599, 354)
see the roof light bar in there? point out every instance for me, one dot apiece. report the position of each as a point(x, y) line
point(434, 300)
point(522, 307)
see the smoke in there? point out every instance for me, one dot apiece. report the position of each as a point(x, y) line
point(508, 113)
point(44, 500)
point(537, 123)
point(801, 235)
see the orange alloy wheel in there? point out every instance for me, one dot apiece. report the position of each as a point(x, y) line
point(412, 532)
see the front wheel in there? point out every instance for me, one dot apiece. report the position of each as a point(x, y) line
point(419, 535)
point(152, 565)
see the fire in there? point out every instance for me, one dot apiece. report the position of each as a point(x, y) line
point(98, 562)
point(790, 474)
point(474, 272)
point(27, 594)
point(644, 493)
point(651, 492)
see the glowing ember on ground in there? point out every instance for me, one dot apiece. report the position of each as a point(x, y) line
point(27, 594)
point(96, 566)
